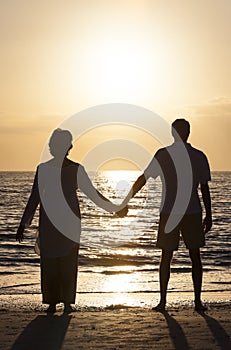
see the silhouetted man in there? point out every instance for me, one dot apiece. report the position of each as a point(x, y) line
point(181, 168)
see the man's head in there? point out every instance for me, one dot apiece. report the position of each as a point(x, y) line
point(180, 130)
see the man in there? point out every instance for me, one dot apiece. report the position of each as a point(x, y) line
point(181, 168)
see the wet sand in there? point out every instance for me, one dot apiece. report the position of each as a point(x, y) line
point(25, 325)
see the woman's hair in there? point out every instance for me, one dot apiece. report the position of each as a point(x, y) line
point(60, 142)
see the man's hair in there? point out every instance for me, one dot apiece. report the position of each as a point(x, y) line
point(60, 142)
point(180, 129)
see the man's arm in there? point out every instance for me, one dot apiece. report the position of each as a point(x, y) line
point(139, 183)
point(207, 223)
point(153, 170)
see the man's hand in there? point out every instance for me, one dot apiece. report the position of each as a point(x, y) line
point(123, 212)
point(207, 224)
point(19, 234)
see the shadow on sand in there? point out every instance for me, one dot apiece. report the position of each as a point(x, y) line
point(221, 336)
point(180, 341)
point(176, 333)
point(44, 332)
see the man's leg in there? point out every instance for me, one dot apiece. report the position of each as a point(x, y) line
point(164, 275)
point(197, 277)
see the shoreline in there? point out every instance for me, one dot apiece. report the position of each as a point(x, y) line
point(101, 301)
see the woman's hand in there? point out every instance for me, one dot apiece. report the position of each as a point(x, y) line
point(19, 234)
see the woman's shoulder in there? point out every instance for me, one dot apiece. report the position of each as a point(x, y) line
point(53, 163)
point(70, 163)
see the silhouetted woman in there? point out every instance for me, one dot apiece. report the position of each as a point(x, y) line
point(54, 189)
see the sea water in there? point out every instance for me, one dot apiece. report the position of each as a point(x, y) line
point(118, 256)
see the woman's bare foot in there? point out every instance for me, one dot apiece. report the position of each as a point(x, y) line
point(68, 309)
point(51, 309)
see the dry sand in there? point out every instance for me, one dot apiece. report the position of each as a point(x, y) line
point(29, 327)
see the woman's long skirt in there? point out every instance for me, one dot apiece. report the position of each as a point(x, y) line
point(59, 278)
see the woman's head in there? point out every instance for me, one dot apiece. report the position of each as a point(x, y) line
point(60, 143)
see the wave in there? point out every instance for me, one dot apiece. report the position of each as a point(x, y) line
point(19, 261)
point(118, 260)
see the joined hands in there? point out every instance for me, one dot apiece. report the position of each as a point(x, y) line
point(123, 212)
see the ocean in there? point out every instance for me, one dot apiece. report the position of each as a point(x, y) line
point(118, 257)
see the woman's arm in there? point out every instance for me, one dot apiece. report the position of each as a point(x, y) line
point(87, 187)
point(30, 209)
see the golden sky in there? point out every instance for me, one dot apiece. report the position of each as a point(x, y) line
point(59, 57)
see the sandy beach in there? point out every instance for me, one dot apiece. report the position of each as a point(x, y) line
point(25, 325)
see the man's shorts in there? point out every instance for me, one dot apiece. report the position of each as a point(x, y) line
point(190, 227)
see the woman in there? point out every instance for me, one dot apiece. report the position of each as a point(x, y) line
point(54, 189)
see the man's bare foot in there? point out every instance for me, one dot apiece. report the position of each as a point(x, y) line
point(160, 307)
point(199, 306)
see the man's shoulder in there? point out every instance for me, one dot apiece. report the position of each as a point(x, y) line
point(175, 147)
point(166, 151)
point(53, 164)
point(162, 151)
point(197, 152)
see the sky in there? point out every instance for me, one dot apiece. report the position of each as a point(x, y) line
point(61, 57)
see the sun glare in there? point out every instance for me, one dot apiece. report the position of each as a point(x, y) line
point(120, 66)
point(121, 181)
point(116, 176)
point(118, 283)
point(120, 286)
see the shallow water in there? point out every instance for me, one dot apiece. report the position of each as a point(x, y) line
point(116, 255)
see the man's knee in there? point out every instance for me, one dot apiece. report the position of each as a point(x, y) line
point(195, 255)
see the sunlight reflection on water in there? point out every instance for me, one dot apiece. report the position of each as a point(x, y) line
point(116, 254)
